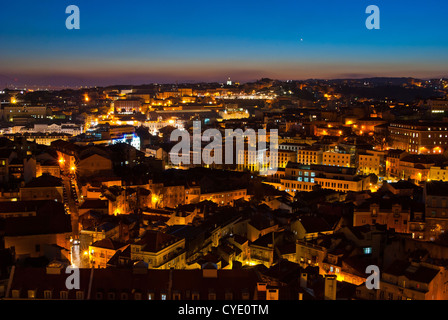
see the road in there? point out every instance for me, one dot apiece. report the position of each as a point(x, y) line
point(70, 198)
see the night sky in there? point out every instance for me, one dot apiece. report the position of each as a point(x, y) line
point(134, 42)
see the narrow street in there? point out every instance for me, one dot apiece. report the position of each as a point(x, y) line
point(70, 197)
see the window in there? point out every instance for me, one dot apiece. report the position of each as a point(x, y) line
point(80, 295)
point(151, 296)
point(176, 295)
point(63, 295)
point(31, 294)
point(228, 296)
point(16, 294)
point(163, 296)
point(367, 250)
point(212, 296)
point(195, 296)
point(47, 294)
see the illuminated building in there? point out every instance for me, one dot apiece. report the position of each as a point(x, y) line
point(299, 177)
point(405, 280)
point(371, 162)
point(339, 159)
point(225, 198)
point(101, 251)
point(395, 215)
point(438, 173)
point(436, 212)
point(159, 250)
point(419, 137)
point(127, 106)
point(438, 106)
point(310, 155)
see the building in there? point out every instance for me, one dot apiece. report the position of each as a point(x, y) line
point(438, 173)
point(101, 251)
point(225, 197)
point(44, 187)
point(438, 106)
point(417, 167)
point(138, 283)
point(405, 280)
point(436, 209)
point(338, 159)
point(45, 138)
point(12, 111)
point(127, 106)
point(159, 250)
point(371, 162)
point(310, 155)
point(37, 229)
point(419, 137)
point(299, 177)
point(395, 214)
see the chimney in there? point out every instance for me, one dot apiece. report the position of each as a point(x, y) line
point(330, 287)
point(303, 280)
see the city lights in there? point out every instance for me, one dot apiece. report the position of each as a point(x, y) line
point(176, 162)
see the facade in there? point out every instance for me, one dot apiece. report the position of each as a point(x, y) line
point(436, 211)
point(138, 284)
point(225, 198)
point(159, 250)
point(405, 280)
point(395, 216)
point(309, 155)
point(371, 162)
point(45, 187)
point(338, 159)
point(419, 137)
point(100, 252)
point(438, 173)
point(300, 177)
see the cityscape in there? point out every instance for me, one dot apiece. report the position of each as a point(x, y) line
point(235, 186)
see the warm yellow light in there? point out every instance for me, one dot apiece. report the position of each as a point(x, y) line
point(86, 98)
point(13, 100)
point(73, 168)
point(85, 252)
point(61, 160)
point(171, 121)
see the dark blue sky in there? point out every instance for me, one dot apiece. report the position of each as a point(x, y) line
point(166, 41)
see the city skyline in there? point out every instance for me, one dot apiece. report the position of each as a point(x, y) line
point(202, 42)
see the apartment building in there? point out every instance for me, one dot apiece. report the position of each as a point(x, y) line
point(421, 137)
